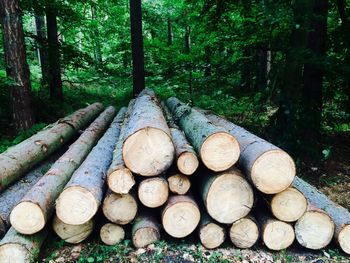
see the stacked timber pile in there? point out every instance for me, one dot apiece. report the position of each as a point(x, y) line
point(158, 166)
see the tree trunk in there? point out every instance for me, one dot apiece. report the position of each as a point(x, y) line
point(145, 230)
point(216, 147)
point(97, 53)
point(170, 32)
point(36, 207)
point(17, 69)
point(179, 184)
point(137, 46)
point(55, 81)
point(244, 233)
point(153, 192)
point(42, 48)
point(83, 194)
point(211, 234)
point(20, 158)
point(112, 234)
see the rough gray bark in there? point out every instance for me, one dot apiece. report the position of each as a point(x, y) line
point(20, 158)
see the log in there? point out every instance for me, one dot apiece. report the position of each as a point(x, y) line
point(179, 184)
point(20, 158)
point(315, 229)
point(180, 216)
point(112, 234)
point(244, 233)
point(270, 168)
point(339, 214)
point(227, 196)
point(18, 248)
point(119, 209)
point(153, 192)
point(186, 157)
point(145, 230)
point(36, 207)
point(82, 195)
point(218, 149)
point(148, 149)
point(288, 205)
point(72, 234)
point(211, 234)
point(119, 178)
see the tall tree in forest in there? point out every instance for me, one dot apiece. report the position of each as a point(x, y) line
point(42, 48)
point(137, 46)
point(97, 53)
point(55, 81)
point(16, 65)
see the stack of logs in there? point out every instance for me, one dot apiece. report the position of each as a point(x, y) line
point(158, 166)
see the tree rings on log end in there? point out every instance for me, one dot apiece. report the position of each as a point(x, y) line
point(244, 233)
point(344, 239)
point(277, 235)
point(121, 181)
point(76, 205)
point(145, 236)
point(288, 205)
point(12, 252)
point(111, 234)
point(120, 209)
point(314, 230)
point(220, 151)
point(212, 235)
point(179, 184)
point(27, 218)
point(187, 163)
point(273, 172)
point(148, 152)
point(153, 192)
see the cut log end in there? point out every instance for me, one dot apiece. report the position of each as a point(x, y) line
point(145, 236)
point(273, 172)
point(179, 184)
point(72, 234)
point(220, 151)
point(244, 233)
point(289, 205)
point(187, 163)
point(230, 197)
point(76, 205)
point(27, 218)
point(153, 192)
point(121, 181)
point(212, 235)
point(148, 152)
point(111, 234)
point(344, 239)
point(314, 230)
point(277, 235)
point(11, 252)
point(120, 209)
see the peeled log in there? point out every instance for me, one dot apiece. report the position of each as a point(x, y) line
point(20, 158)
point(270, 169)
point(288, 205)
point(18, 248)
point(153, 192)
point(227, 196)
point(36, 207)
point(82, 195)
point(179, 184)
point(148, 149)
point(211, 234)
point(145, 230)
point(218, 149)
point(180, 216)
point(111, 234)
point(339, 214)
point(119, 209)
point(315, 229)
point(72, 234)
point(244, 233)
point(119, 178)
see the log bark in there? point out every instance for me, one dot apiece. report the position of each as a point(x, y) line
point(82, 195)
point(112, 234)
point(339, 214)
point(36, 207)
point(20, 158)
point(72, 234)
point(244, 233)
point(179, 184)
point(15, 247)
point(119, 209)
point(211, 234)
point(270, 169)
point(227, 196)
point(180, 216)
point(216, 147)
point(119, 178)
point(186, 157)
point(145, 230)
point(148, 149)
point(153, 192)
